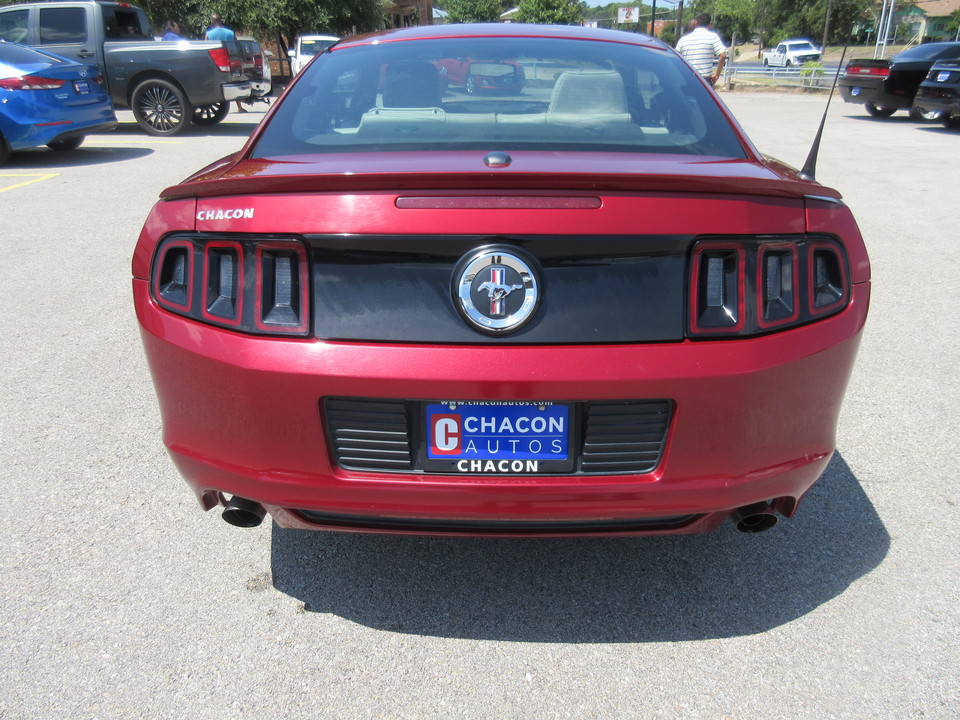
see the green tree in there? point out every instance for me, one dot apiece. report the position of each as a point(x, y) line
point(283, 19)
point(953, 24)
point(473, 11)
point(551, 12)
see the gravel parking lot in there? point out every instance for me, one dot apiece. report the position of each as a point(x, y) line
point(120, 598)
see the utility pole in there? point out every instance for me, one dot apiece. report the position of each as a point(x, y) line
point(826, 27)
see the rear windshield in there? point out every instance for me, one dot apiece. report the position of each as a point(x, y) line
point(499, 94)
point(931, 51)
point(16, 60)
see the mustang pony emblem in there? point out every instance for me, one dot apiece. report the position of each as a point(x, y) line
point(497, 290)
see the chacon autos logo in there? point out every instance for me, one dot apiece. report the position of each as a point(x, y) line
point(496, 290)
point(228, 214)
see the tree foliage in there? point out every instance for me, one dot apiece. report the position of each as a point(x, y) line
point(550, 12)
point(782, 19)
point(953, 24)
point(473, 11)
point(268, 18)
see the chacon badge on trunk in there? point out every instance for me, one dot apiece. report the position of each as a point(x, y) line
point(496, 289)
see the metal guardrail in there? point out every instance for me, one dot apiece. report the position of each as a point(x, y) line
point(813, 78)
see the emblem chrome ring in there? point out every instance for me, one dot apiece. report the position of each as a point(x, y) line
point(496, 290)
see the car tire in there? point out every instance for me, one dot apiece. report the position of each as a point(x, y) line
point(4, 150)
point(950, 120)
point(207, 115)
point(66, 145)
point(160, 107)
point(928, 116)
point(879, 112)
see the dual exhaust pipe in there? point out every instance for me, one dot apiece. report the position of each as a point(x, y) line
point(244, 513)
point(754, 518)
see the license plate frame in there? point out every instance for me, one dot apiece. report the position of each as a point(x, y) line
point(497, 438)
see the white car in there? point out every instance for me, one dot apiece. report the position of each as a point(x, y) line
point(308, 46)
point(792, 53)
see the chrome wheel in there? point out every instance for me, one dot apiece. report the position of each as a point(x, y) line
point(160, 107)
point(211, 114)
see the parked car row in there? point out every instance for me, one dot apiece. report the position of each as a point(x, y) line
point(922, 80)
point(167, 85)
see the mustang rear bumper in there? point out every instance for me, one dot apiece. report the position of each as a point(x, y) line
point(754, 421)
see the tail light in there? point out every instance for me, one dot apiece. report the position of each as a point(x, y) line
point(259, 287)
point(753, 287)
point(31, 82)
point(97, 79)
point(718, 302)
point(868, 70)
point(258, 64)
point(827, 280)
point(221, 58)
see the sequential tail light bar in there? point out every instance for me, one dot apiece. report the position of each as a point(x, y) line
point(868, 70)
point(756, 286)
point(258, 287)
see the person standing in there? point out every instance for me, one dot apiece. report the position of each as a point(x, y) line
point(218, 31)
point(701, 47)
point(171, 31)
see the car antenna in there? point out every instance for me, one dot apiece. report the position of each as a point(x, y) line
point(809, 170)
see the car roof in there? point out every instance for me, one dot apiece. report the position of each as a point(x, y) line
point(478, 30)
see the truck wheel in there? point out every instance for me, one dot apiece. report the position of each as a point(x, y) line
point(211, 114)
point(879, 112)
point(766, 63)
point(160, 107)
point(66, 145)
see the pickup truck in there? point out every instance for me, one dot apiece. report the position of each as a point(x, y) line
point(167, 85)
point(792, 53)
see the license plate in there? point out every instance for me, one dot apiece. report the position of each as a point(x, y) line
point(943, 76)
point(81, 86)
point(855, 91)
point(491, 438)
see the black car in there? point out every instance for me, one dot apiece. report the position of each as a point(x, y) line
point(940, 92)
point(885, 86)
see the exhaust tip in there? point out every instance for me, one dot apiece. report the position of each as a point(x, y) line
point(244, 513)
point(754, 518)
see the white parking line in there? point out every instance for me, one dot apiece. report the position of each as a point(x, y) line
point(35, 177)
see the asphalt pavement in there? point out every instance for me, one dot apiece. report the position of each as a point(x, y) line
point(122, 599)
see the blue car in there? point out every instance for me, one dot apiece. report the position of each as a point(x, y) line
point(49, 100)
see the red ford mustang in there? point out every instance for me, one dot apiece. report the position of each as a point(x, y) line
point(588, 308)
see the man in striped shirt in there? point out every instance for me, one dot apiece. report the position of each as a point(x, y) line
point(700, 47)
